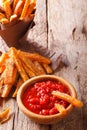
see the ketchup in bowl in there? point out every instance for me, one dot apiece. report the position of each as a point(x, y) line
point(38, 98)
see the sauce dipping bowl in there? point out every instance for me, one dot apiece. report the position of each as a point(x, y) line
point(44, 119)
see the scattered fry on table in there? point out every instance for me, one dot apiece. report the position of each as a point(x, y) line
point(4, 116)
point(4, 113)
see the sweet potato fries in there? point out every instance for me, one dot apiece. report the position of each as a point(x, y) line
point(16, 10)
point(17, 66)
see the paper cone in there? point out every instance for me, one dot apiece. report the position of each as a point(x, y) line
point(12, 32)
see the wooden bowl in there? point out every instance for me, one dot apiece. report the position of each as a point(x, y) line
point(44, 119)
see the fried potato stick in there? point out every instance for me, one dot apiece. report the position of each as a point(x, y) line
point(28, 71)
point(10, 72)
point(4, 116)
point(3, 57)
point(15, 3)
point(2, 15)
point(47, 68)
point(19, 66)
point(31, 8)
point(8, 77)
point(13, 17)
point(32, 1)
point(60, 108)
point(4, 90)
point(39, 67)
point(7, 8)
point(75, 102)
point(31, 16)
point(29, 64)
point(25, 9)
point(4, 113)
point(18, 8)
point(36, 56)
point(2, 68)
point(4, 21)
point(19, 83)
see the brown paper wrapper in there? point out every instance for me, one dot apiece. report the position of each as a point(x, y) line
point(12, 32)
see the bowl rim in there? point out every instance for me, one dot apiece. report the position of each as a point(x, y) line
point(41, 78)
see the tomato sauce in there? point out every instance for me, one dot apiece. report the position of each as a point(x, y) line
point(38, 97)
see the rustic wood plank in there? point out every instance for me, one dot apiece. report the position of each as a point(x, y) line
point(65, 35)
point(3, 45)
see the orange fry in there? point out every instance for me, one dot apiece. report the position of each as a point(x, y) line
point(19, 83)
point(47, 68)
point(31, 16)
point(2, 15)
point(31, 8)
point(15, 3)
point(36, 56)
point(32, 1)
point(18, 64)
point(8, 78)
point(2, 68)
point(4, 116)
point(39, 67)
point(4, 90)
point(13, 17)
point(10, 72)
point(29, 64)
point(60, 108)
point(25, 9)
point(3, 57)
point(18, 8)
point(68, 98)
point(7, 8)
point(4, 21)
point(4, 113)
point(28, 71)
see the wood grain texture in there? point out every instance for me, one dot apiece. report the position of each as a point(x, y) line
point(65, 35)
point(61, 26)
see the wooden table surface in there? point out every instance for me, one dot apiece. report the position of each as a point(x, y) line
point(60, 25)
